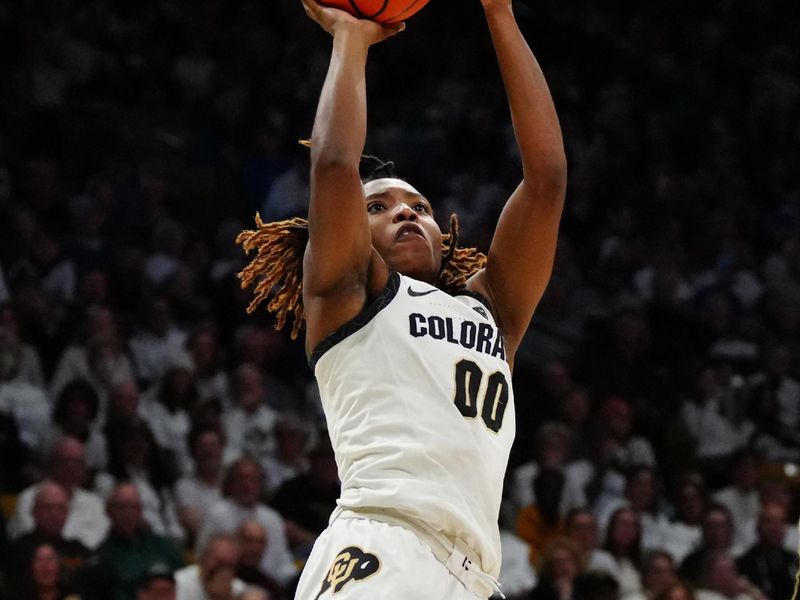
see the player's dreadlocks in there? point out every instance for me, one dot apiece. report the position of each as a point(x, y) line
point(277, 268)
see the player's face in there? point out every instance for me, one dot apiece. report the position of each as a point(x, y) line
point(404, 231)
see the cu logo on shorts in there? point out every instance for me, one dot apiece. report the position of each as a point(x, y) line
point(351, 564)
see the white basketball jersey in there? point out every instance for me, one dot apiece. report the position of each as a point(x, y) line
point(417, 395)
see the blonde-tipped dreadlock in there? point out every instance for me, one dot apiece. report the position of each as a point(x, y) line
point(458, 264)
point(277, 269)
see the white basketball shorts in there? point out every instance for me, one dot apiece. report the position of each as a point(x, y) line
point(364, 559)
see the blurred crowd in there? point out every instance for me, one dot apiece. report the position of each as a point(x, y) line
point(157, 442)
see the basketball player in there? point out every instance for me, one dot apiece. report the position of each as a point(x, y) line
point(415, 381)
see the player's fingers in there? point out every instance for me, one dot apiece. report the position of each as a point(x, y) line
point(394, 28)
point(311, 8)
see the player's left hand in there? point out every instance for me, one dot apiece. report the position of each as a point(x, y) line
point(334, 21)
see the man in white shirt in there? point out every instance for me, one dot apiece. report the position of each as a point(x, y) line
point(27, 403)
point(87, 521)
point(196, 494)
point(741, 497)
point(158, 344)
point(213, 577)
point(250, 426)
point(721, 580)
point(242, 489)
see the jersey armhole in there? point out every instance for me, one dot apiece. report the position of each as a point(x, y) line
point(479, 297)
point(366, 315)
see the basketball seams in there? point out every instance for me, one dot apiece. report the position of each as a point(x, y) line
point(359, 11)
point(372, 16)
point(406, 10)
point(354, 6)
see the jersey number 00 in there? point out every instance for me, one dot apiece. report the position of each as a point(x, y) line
point(468, 383)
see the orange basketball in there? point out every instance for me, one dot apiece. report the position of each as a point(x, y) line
point(382, 11)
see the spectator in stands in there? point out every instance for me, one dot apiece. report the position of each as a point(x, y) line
point(100, 359)
point(774, 441)
point(777, 376)
point(42, 576)
point(86, 521)
point(778, 489)
point(29, 366)
point(27, 403)
point(575, 412)
point(516, 572)
point(616, 454)
point(721, 580)
point(241, 502)
point(624, 544)
point(123, 406)
point(552, 450)
point(166, 408)
point(157, 584)
point(741, 497)
point(250, 425)
point(581, 528)
point(197, 493)
point(658, 575)
point(158, 343)
point(617, 421)
point(168, 243)
point(131, 548)
point(556, 382)
point(135, 458)
point(684, 532)
point(50, 511)
point(714, 418)
point(539, 524)
point(560, 565)
point(642, 495)
point(767, 563)
point(75, 415)
point(717, 537)
point(252, 538)
point(266, 349)
point(307, 501)
point(203, 347)
point(290, 458)
point(214, 575)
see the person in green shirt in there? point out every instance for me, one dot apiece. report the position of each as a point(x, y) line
point(131, 549)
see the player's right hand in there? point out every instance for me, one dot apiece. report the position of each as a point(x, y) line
point(336, 21)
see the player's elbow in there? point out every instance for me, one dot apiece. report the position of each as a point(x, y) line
point(548, 179)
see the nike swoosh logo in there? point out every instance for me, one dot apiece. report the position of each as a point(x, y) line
point(418, 294)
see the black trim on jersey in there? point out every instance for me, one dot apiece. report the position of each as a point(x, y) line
point(479, 297)
point(366, 315)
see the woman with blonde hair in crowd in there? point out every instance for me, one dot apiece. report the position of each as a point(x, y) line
point(562, 562)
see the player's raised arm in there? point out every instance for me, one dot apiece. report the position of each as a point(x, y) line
point(339, 239)
point(522, 251)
